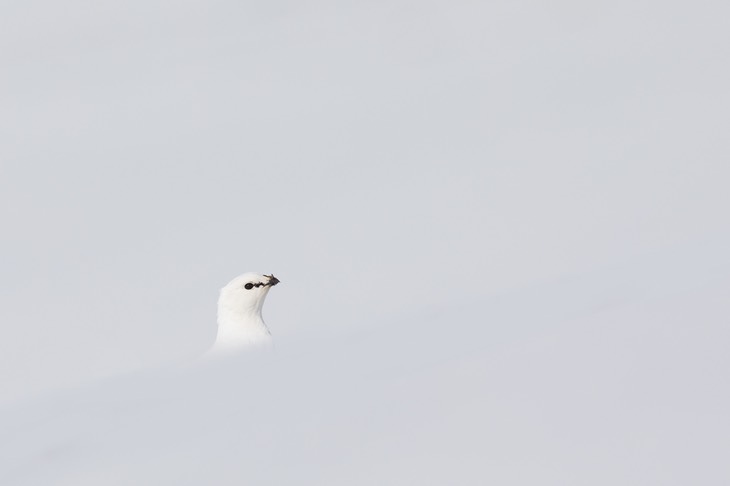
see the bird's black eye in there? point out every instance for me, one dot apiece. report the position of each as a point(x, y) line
point(248, 286)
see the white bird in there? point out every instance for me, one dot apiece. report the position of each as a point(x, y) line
point(240, 323)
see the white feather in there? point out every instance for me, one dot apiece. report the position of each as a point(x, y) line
point(240, 322)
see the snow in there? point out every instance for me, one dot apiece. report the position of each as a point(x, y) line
point(616, 377)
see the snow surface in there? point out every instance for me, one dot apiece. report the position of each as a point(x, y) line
point(618, 377)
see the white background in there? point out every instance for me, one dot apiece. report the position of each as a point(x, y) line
point(501, 230)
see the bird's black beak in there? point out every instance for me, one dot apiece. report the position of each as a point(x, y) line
point(272, 280)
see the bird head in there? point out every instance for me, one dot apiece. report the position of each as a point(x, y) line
point(246, 293)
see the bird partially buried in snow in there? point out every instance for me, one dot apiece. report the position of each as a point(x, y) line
point(240, 323)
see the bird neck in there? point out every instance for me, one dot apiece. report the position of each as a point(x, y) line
point(239, 328)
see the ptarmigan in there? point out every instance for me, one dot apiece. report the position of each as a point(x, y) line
point(240, 323)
